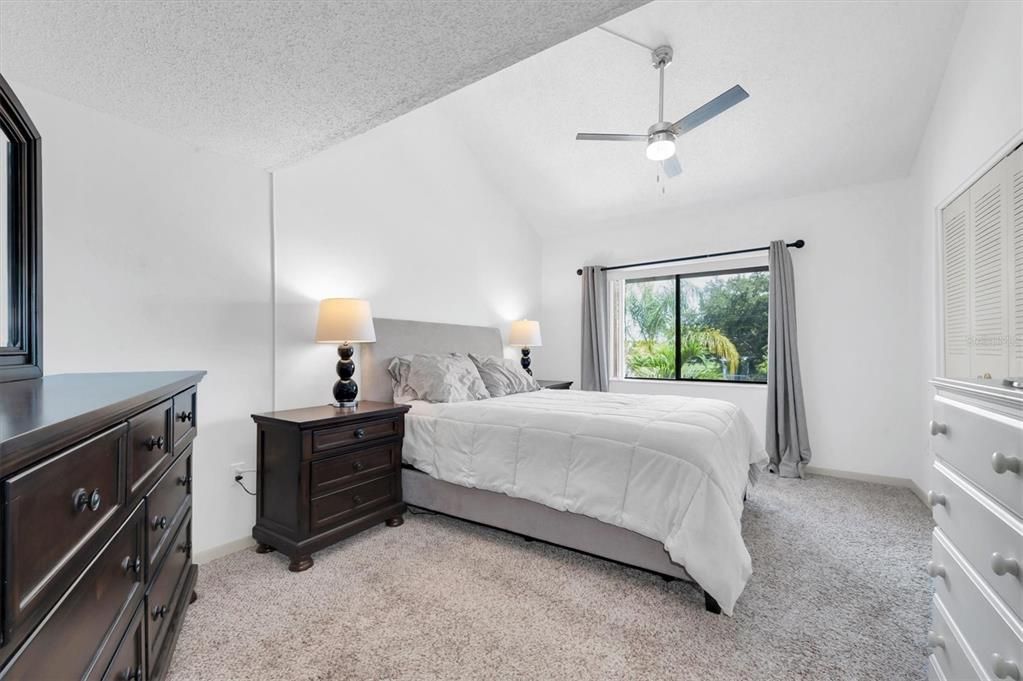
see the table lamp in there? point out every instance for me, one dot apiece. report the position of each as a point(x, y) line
point(525, 334)
point(345, 321)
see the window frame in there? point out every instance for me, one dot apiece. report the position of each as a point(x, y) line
point(617, 322)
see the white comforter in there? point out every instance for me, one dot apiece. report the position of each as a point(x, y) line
point(670, 468)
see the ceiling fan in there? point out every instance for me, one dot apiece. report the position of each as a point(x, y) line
point(660, 137)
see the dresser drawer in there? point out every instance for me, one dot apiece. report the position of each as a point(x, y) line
point(971, 438)
point(331, 438)
point(987, 627)
point(149, 446)
point(162, 597)
point(980, 528)
point(351, 502)
point(166, 504)
point(950, 654)
point(52, 511)
point(184, 417)
point(80, 635)
point(339, 471)
point(129, 661)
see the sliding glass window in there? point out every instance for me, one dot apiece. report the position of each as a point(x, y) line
point(704, 326)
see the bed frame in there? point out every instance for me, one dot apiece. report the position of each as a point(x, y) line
point(526, 518)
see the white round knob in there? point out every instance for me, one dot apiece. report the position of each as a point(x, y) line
point(1003, 463)
point(935, 569)
point(935, 640)
point(938, 428)
point(936, 499)
point(1001, 565)
point(1004, 669)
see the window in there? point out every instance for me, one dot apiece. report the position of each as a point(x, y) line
point(704, 326)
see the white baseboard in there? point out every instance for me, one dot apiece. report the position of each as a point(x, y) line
point(223, 550)
point(867, 477)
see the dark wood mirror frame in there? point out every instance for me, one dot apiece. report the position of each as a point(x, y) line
point(23, 357)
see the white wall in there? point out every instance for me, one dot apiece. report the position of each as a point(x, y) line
point(403, 217)
point(157, 257)
point(856, 325)
point(978, 111)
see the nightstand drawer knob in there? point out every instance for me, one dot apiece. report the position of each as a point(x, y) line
point(356, 500)
point(358, 466)
point(359, 433)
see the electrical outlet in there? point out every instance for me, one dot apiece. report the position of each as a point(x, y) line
point(238, 468)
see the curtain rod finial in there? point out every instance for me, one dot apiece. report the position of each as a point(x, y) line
point(579, 272)
point(799, 243)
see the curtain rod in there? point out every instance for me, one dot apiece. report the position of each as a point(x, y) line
point(798, 243)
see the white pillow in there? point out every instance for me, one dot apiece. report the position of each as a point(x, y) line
point(503, 378)
point(399, 368)
point(445, 378)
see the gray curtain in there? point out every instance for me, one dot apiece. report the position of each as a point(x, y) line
point(594, 369)
point(788, 442)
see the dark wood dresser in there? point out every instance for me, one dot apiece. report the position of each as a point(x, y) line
point(96, 476)
point(326, 473)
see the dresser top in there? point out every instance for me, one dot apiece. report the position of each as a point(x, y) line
point(982, 388)
point(40, 414)
point(308, 417)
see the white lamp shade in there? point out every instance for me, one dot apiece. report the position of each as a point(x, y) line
point(525, 333)
point(345, 320)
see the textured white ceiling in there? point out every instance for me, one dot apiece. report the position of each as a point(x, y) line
point(276, 81)
point(840, 94)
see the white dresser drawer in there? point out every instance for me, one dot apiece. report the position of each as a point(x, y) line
point(988, 628)
point(950, 658)
point(968, 438)
point(980, 528)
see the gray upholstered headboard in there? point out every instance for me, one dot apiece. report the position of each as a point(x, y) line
point(400, 337)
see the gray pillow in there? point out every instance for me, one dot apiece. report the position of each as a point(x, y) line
point(399, 368)
point(502, 378)
point(445, 378)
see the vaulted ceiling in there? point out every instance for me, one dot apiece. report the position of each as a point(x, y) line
point(273, 81)
point(840, 93)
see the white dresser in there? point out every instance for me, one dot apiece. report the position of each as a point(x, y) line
point(977, 500)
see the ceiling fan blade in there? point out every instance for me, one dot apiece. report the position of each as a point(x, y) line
point(609, 137)
point(719, 104)
point(672, 166)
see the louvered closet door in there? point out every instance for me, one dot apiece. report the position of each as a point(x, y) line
point(1014, 177)
point(989, 253)
point(956, 268)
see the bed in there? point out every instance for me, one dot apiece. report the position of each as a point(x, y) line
point(655, 482)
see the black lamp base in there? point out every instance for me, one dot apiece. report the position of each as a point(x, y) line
point(526, 361)
point(346, 392)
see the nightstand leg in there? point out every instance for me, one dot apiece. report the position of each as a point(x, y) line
point(193, 598)
point(395, 521)
point(300, 563)
point(264, 548)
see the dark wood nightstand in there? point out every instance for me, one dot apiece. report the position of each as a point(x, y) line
point(326, 473)
point(555, 385)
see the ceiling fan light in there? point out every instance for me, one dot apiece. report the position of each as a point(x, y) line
point(661, 146)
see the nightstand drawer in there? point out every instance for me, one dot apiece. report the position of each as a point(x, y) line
point(351, 502)
point(339, 471)
point(332, 438)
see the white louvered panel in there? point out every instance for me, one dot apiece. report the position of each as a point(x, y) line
point(956, 268)
point(989, 333)
point(1014, 175)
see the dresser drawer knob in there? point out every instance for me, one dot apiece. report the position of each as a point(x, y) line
point(936, 499)
point(159, 612)
point(356, 500)
point(358, 466)
point(1003, 463)
point(131, 674)
point(935, 640)
point(184, 479)
point(938, 428)
point(185, 548)
point(1004, 669)
point(359, 433)
point(1001, 565)
point(935, 569)
point(83, 500)
point(184, 416)
point(132, 564)
point(155, 442)
point(160, 522)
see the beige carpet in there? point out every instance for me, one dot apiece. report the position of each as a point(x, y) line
point(838, 592)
